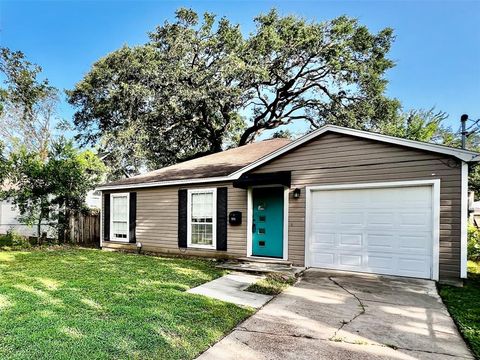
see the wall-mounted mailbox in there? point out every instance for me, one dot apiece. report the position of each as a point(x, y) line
point(235, 218)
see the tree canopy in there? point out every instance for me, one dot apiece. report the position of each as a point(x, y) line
point(43, 174)
point(200, 85)
point(49, 190)
point(27, 104)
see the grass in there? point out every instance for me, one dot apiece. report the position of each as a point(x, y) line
point(464, 306)
point(272, 284)
point(91, 304)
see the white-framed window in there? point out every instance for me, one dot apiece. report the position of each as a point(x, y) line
point(119, 217)
point(202, 218)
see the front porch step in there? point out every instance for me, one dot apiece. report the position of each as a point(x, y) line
point(261, 267)
point(112, 245)
point(261, 260)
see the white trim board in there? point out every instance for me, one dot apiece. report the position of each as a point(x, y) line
point(464, 155)
point(434, 183)
point(464, 221)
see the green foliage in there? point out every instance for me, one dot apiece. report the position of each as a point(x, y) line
point(14, 240)
point(473, 243)
point(273, 284)
point(420, 125)
point(282, 134)
point(90, 304)
point(27, 187)
point(200, 85)
point(49, 190)
point(462, 304)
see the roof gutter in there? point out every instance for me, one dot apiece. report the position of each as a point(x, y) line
point(166, 183)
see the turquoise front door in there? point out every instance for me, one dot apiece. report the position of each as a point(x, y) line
point(267, 227)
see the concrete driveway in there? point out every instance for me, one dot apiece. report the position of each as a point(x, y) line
point(339, 315)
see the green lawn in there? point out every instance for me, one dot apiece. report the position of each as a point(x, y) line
point(464, 306)
point(90, 304)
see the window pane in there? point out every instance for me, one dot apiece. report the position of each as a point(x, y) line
point(202, 205)
point(202, 234)
point(120, 208)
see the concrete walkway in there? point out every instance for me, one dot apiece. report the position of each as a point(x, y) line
point(231, 288)
point(339, 315)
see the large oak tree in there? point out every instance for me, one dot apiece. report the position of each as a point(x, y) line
point(199, 86)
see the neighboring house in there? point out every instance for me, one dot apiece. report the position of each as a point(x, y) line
point(9, 221)
point(336, 198)
point(473, 210)
point(9, 215)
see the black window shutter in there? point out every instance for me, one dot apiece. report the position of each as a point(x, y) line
point(182, 218)
point(132, 217)
point(222, 194)
point(106, 217)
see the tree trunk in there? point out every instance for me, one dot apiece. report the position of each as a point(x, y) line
point(39, 231)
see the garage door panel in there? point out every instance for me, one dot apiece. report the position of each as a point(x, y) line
point(350, 260)
point(351, 218)
point(415, 243)
point(380, 242)
point(387, 231)
point(418, 218)
point(350, 200)
point(324, 218)
point(324, 259)
point(380, 263)
point(377, 219)
point(350, 240)
point(324, 239)
point(413, 266)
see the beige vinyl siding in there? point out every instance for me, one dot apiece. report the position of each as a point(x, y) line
point(341, 159)
point(157, 221)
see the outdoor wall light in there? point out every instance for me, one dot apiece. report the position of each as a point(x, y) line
point(296, 193)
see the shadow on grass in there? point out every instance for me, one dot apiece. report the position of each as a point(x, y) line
point(80, 304)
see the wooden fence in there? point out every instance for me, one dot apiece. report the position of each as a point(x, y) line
point(84, 230)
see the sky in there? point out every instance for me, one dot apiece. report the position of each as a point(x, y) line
point(436, 51)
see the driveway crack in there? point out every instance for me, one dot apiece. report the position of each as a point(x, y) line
point(344, 322)
point(309, 337)
point(394, 347)
point(241, 328)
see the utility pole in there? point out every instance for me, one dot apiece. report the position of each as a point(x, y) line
point(464, 119)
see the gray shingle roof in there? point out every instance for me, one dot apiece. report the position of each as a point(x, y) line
point(215, 165)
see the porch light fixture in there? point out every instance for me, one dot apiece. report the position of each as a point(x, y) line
point(296, 193)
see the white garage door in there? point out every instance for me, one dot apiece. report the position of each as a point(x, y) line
point(380, 230)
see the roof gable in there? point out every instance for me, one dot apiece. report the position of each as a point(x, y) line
point(461, 154)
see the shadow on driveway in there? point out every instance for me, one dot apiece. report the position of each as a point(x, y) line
point(341, 315)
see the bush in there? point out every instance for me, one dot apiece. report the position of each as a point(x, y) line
point(13, 239)
point(473, 244)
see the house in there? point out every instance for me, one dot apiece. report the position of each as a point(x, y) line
point(9, 217)
point(335, 198)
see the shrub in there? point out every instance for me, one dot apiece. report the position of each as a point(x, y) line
point(13, 239)
point(473, 244)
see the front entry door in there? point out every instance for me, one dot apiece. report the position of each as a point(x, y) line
point(267, 224)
